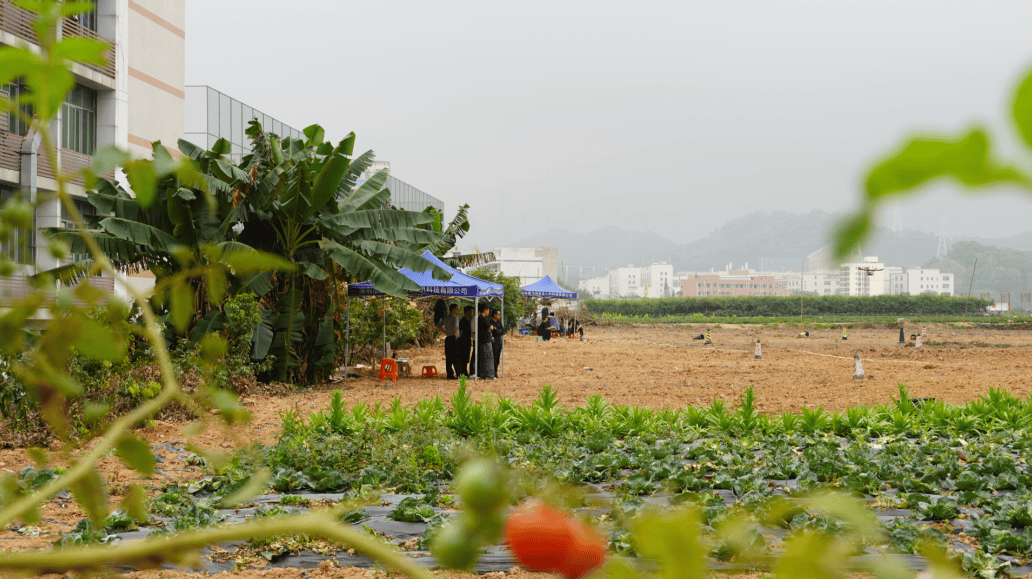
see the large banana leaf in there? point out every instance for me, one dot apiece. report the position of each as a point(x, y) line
point(361, 267)
point(211, 323)
point(367, 192)
point(328, 182)
point(262, 337)
point(67, 275)
point(400, 257)
point(258, 283)
point(355, 220)
point(288, 323)
point(358, 165)
point(139, 233)
point(455, 231)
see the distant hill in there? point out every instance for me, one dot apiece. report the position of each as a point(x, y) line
point(775, 240)
point(607, 247)
point(999, 270)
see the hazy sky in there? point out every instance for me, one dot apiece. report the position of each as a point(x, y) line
point(667, 116)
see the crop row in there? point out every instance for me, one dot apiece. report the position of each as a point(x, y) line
point(942, 463)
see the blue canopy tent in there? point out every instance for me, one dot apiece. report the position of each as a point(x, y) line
point(428, 286)
point(547, 288)
point(485, 289)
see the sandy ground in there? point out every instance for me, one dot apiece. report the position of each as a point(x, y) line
point(663, 367)
point(653, 366)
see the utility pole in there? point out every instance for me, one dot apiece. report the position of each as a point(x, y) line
point(802, 287)
point(971, 285)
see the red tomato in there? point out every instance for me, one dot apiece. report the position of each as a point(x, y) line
point(539, 536)
point(587, 551)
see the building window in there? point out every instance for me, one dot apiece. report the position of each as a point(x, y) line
point(16, 123)
point(89, 217)
point(79, 120)
point(89, 19)
point(19, 247)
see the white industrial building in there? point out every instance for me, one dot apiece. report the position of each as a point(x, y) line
point(596, 287)
point(530, 264)
point(657, 280)
point(649, 281)
point(865, 278)
point(131, 102)
point(924, 281)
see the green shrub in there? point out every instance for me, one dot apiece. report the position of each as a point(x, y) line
point(786, 306)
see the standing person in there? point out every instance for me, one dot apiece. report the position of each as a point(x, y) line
point(449, 324)
point(499, 336)
point(465, 340)
point(485, 344)
point(562, 327)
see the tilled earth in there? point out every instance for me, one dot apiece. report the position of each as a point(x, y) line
point(652, 366)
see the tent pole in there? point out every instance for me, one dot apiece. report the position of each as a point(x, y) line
point(347, 338)
point(476, 337)
point(501, 353)
point(384, 325)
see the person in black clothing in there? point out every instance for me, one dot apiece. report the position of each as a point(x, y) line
point(485, 345)
point(545, 328)
point(449, 323)
point(575, 327)
point(499, 335)
point(465, 342)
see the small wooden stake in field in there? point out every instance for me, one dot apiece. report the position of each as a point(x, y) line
point(858, 367)
point(759, 352)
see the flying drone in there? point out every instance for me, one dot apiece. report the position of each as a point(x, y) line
point(870, 270)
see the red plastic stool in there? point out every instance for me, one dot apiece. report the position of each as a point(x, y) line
point(429, 371)
point(555, 334)
point(388, 368)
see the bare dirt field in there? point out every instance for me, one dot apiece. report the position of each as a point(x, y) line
point(663, 367)
point(652, 366)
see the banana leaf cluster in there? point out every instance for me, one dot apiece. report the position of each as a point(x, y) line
point(298, 199)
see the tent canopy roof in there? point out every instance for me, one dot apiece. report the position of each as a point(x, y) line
point(427, 286)
point(484, 288)
point(546, 288)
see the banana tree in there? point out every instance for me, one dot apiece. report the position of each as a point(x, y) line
point(295, 198)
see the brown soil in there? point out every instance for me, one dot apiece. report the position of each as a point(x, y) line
point(652, 366)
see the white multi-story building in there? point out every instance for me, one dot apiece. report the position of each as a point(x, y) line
point(820, 283)
point(529, 263)
point(895, 280)
point(625, 282)
point(923, 281)
point(131, 102)
point(657, 280)
point(866, 278)
point(597, 287)
point(793, 281)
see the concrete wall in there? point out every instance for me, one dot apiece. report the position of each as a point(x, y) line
point(156, 74)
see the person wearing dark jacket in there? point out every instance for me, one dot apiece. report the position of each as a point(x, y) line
point(545, 328)
point(449, 324)
point(465, 342)
point(485, 345)
point(499, 336)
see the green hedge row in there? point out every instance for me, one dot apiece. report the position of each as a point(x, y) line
point(894, 305)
